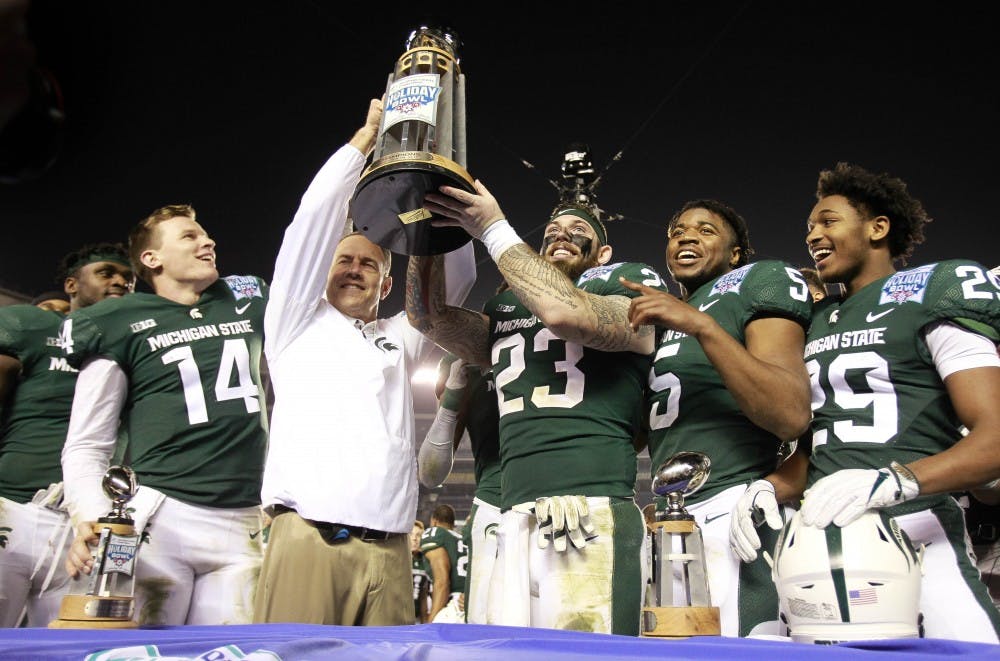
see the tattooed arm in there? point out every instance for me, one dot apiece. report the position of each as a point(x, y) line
point(463, 332)
point(574, 315)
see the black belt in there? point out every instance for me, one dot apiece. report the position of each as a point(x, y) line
point(339, 532)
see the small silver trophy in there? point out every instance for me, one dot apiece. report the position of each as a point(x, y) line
point(676, 538)
point(105, 599)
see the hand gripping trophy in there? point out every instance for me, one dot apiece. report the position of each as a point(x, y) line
point(678, 553)
point(104, 599)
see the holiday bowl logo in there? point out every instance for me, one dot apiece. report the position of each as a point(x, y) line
point(121, 554)
point(412, 98)
point(730, 282)
point(907, 286)
point(244, 286)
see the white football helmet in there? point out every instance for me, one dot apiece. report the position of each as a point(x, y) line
point(859, 582)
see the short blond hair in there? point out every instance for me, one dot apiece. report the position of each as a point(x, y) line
point(142, 236)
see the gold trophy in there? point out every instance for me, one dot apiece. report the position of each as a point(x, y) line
point(677, 544)
point(420, 146)
point(104, 599)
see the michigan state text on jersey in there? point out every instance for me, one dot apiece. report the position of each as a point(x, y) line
point(195, 410)
point(876, 394)
point(568, 413)
point(880, 399)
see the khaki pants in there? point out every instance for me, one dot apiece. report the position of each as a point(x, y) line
point(307, 579)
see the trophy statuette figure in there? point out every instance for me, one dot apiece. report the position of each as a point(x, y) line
point(677, 540)
point(104, 599)
point(421, 146)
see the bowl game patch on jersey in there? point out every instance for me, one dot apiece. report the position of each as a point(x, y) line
point(907, 285)
point(244, 286)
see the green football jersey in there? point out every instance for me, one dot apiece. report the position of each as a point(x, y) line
point(437, 537)
point(690, 409)
point(876, 395)
point(195, 410)
point(568, 413)
point(35, 416)
point(482, 422)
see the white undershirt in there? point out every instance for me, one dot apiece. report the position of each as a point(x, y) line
point(954, 348)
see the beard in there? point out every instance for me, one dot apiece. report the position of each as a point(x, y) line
point(574, 268)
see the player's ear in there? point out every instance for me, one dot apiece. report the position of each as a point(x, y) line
point(71, 285)
point(603, 255)
point(879, 228)
point(150, 259)
point(734, 259)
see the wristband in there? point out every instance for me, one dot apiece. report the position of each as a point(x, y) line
point(909, 486)
point(452, 399)
point(498, 237)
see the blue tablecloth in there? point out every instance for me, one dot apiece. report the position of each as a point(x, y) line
point(432, 642)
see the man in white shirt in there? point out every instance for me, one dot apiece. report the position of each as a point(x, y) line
point(340, 477)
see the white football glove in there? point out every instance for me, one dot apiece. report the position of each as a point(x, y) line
point(756, 500)
point(560, 517)
point(843, 496)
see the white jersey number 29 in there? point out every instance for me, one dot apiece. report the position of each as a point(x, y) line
point(879, 398)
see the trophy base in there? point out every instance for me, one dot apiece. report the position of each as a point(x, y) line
point(387, 205)
point(93, 624)
point(84, 611)
point(680, 621)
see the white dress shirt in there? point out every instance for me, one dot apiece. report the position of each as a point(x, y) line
point(341, 446)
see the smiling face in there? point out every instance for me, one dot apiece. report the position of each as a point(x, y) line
point(845, 244)
point(572, 245)
point(181, 253)
point(358, 278)
point(96, 281)
point(701, 246)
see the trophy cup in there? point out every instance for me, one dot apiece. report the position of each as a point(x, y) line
point(104, 598)
point(677, 539)
point(420, 147)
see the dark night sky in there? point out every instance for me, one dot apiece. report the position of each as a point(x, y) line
point(232, 106)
